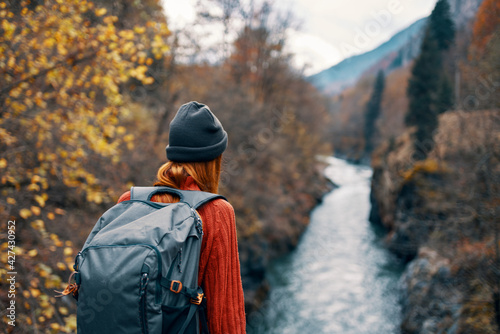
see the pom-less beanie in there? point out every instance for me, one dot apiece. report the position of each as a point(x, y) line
point(195, 134)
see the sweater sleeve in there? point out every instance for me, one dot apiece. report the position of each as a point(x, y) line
point(219, 273)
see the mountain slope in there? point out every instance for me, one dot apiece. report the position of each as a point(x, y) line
point(394, 53)
point(348, 71)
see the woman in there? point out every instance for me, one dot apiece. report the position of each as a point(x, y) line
point(196, 143)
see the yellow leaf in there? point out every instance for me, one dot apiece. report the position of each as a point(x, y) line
point(40, 200)
point(100, 12)
point(26, 294)
point(68, 251)
point(63, 310)
point(121, 130)
point(51, 216)
point(71, 322)
point(148, 81)
point(61, 266)
point(140, 30)
point(35, 292)
point(34, 187)
point(44, 270)
point(11, 200)
point(53, 281)
point(49, 42)
point(33, 253)
point(141, 69)
point(60, 211)
point(25, 213)
point(61, 49)
point(38, 225)
point(36, 210)
point(96, 79)
point(3, 163)
point(55, 326)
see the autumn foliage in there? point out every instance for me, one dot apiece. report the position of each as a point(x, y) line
point(62, 65)
point(486, 23)
point(86, 93)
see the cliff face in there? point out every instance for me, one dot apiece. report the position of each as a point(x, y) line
point(440, 215)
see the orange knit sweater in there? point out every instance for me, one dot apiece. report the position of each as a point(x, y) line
point(219, 273)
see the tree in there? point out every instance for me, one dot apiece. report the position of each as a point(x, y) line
point(484, 53)
point(427, 93)
point(372, 111)
point(62, 68)
point(445, 98)
point(486, 23)
point(441, 25)
point(422, 85)
point(276, 120)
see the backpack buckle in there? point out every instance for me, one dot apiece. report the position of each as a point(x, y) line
point(198, 299)
point(173, 288)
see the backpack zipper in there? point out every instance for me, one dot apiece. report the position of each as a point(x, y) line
point(199, 224)
point(179, 263)
point(143, 301)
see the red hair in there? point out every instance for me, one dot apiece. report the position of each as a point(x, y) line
point(174, 174)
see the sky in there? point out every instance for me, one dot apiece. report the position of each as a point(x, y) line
point(331, 30)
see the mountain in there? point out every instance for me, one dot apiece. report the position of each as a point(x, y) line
point(348, 71)
point(396, 52)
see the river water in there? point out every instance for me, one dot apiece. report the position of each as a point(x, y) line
point(339, 279)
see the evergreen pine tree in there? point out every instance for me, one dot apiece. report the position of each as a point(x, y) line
point(424, 82)
point(428, 92)
point(372, 111)
point(445, 98)
point(441, 25)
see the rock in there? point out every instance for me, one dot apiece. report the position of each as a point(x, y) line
point(439, 218)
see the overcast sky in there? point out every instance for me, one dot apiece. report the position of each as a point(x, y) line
point(332, 30)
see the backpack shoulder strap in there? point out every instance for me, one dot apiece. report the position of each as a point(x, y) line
point(194, 198)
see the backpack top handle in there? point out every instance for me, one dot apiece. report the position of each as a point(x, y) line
point(194, 198)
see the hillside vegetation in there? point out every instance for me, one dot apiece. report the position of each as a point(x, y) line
point(436, 174)
point(86, 95)
point(442, 215)
point(436, 186)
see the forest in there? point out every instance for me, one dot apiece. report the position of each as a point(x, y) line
point(88, 89)
point(435, 187)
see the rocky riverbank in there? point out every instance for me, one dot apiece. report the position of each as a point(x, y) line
point(265, 241)
point(441, 216)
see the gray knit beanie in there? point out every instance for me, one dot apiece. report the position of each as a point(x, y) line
point(195, 134)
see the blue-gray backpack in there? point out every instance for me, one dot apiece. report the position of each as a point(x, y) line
point(138, 270)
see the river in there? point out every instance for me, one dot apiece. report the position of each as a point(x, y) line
point(339, 279)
